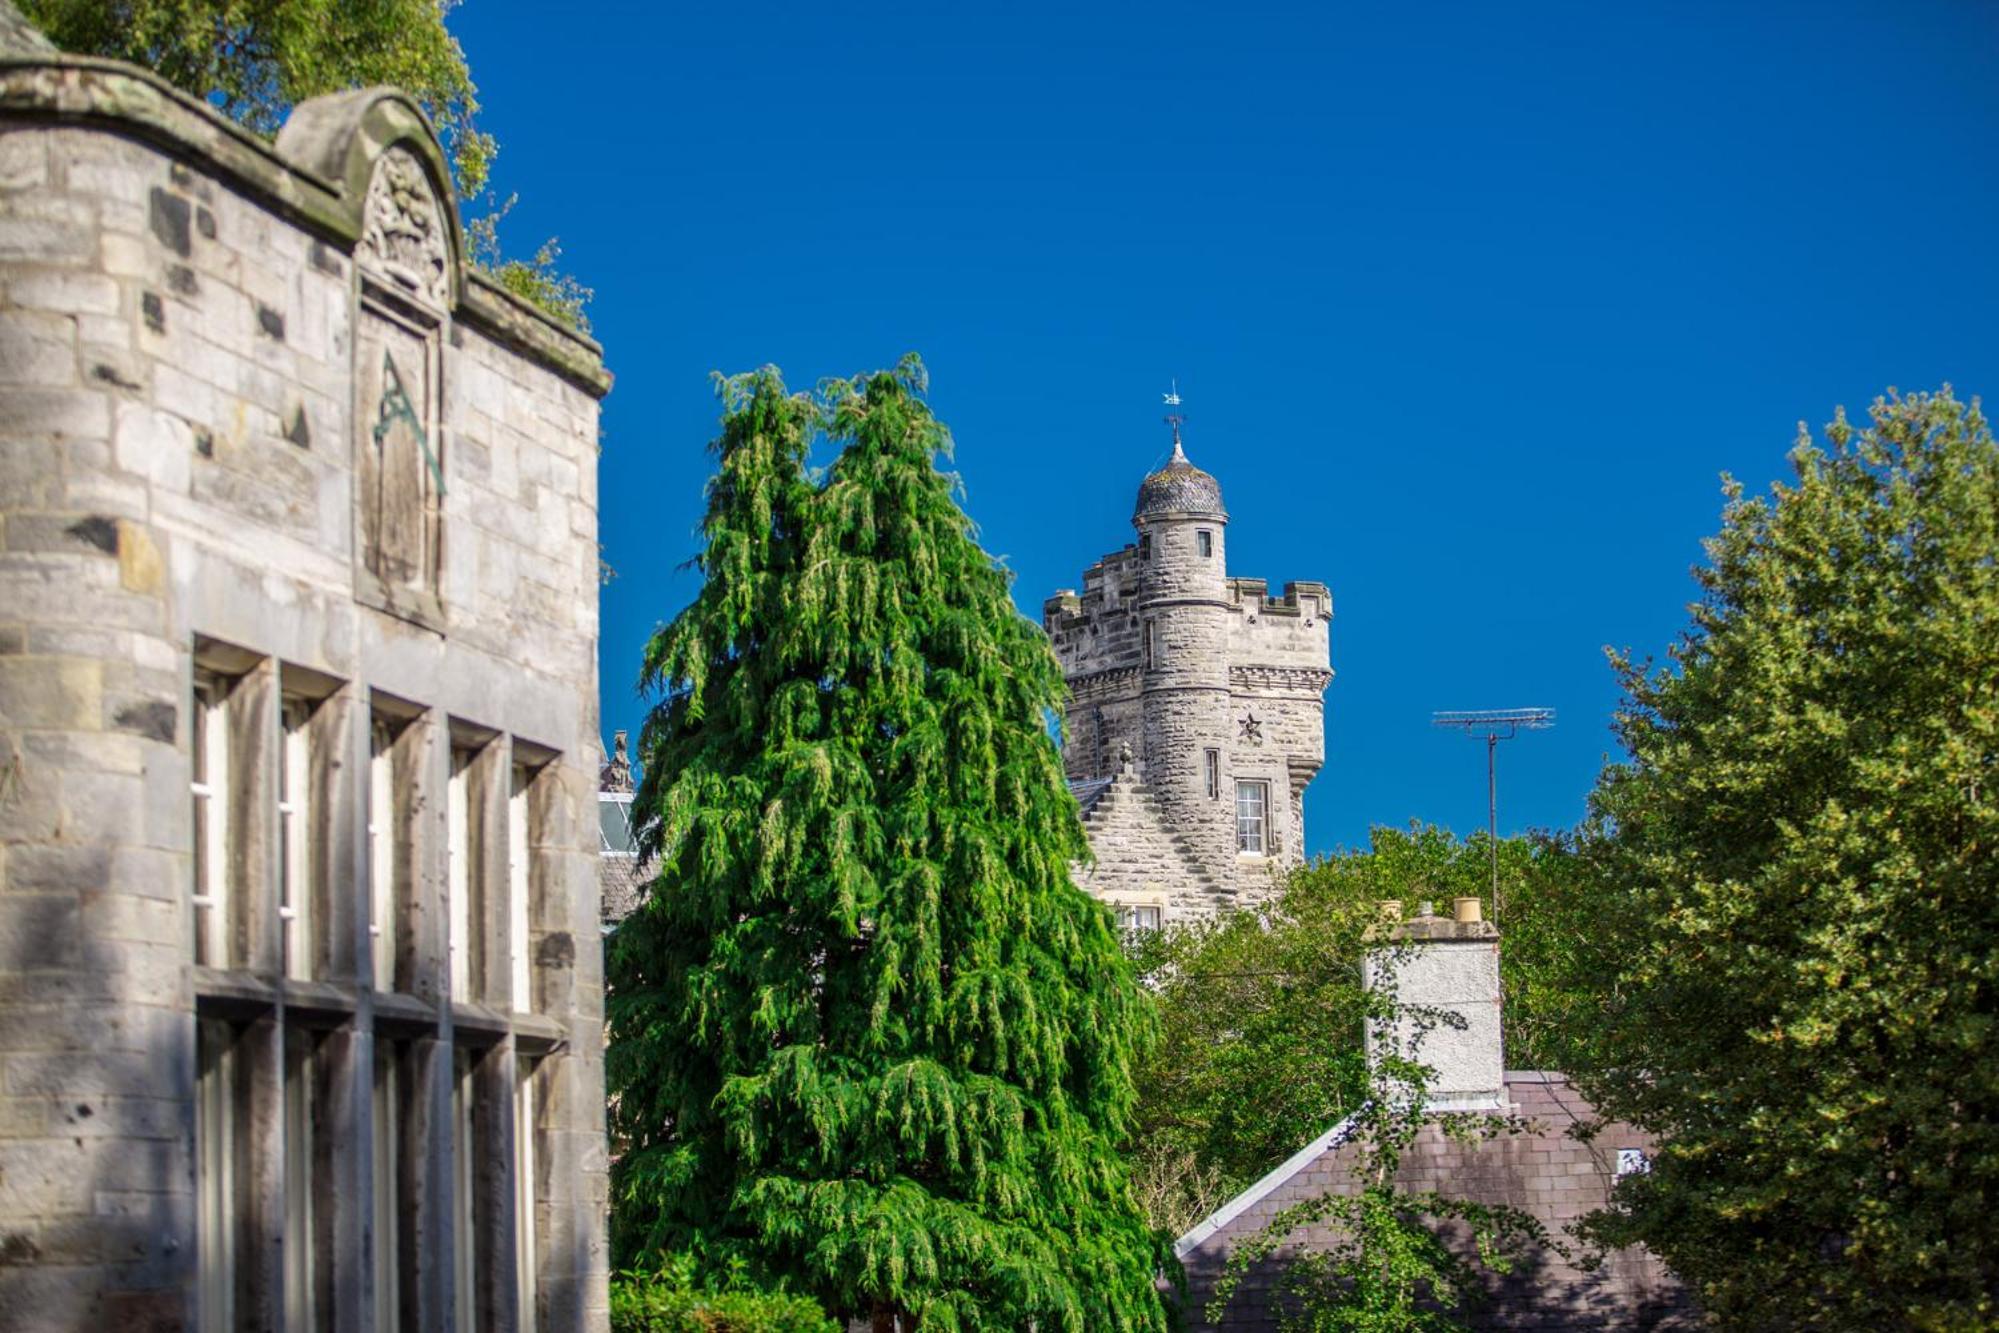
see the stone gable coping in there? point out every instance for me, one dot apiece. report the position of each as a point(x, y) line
point(316, 175)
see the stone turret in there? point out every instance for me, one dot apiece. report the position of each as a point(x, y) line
point(1213, 685)
point(1183, 619)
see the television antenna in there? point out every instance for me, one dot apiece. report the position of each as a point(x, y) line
point(1493, 725)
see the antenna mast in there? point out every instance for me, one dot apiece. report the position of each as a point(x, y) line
point(1494, 725)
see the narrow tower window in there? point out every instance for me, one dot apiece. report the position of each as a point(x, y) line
point(1145, 546)
point(1151, 650)
point(1204, 542)
point(1212, 762)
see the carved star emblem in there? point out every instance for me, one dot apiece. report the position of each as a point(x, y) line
point(1252, 729)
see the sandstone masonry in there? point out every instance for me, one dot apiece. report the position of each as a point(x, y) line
point(300, 976)
point(1195, 715)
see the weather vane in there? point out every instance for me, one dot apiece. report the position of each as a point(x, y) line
point(1174, 418)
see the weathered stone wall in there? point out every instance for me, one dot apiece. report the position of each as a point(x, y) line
point(185, 412)
point(1141, 859)
point(1547, 1171)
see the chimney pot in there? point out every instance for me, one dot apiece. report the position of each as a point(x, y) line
point(1468, 911)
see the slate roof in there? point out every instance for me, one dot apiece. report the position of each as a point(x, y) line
point(1179, 488)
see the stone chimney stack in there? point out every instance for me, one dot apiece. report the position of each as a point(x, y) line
point(1445, 971)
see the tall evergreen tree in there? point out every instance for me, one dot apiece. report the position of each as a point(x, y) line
point(867, 1036)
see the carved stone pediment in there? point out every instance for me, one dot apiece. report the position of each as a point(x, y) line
point(404, 230)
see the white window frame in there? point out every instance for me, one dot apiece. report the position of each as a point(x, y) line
point(526, 1260)
point(295, 837)
point(458, 887)
point(383, 820)
point(1252, 825)
point(520, 886)
point(1140, 916)
point(619, 798)
point(208, 788)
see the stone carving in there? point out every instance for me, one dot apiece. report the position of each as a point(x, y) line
point(403, 229)
point(1251, 729)
point(401, 503)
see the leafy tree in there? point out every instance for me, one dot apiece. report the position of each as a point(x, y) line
point(1804, 838)
point(1261, 1011)
point(866, 1034)
point(538, 279)
point(256, 59)
point(1378, 1263)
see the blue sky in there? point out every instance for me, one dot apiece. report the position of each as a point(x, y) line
point(1471, 305)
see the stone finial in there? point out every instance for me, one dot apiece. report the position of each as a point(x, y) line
point(1124, 759)
point(616, 775)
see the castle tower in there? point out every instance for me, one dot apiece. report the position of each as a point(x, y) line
point(1195, 717)
point(1183, 618)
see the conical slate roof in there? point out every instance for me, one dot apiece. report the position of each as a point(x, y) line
point(1179, 488)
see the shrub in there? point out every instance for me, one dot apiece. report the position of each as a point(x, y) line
point(668, 1301)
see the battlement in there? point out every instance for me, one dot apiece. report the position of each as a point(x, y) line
point(1111, 584)
point(1302, 597)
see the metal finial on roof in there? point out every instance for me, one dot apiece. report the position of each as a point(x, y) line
point(1174, 419)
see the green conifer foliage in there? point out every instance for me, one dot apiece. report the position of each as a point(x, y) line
point(867, 1037)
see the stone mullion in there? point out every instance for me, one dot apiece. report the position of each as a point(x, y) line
point(260, 1172)
point(423, 779)
point(494, 1199)
point(570, 982)
point(427, 1185)
point(338, 893)
point(255, 735)
point(341, 1143)
point(491, 779)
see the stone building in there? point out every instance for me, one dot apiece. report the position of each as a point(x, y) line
point(1195, 715)
point(1450, 966)
point(300, 983)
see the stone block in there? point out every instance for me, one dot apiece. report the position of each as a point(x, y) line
point(55, 694)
